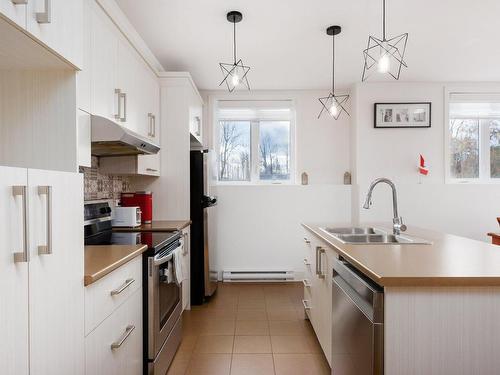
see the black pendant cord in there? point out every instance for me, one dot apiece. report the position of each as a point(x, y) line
point(333, 64)
point(234, 40)
point(383, 21)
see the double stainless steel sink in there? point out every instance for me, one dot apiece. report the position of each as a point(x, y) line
point(371, 236)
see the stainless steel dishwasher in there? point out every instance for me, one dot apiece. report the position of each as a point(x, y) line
point(357, 323)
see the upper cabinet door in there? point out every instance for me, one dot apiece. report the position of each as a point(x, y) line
point(13, 274)
point(58, 24)
point(56, 273)
point(15, 11)
point(131, 83)
point(104, 62)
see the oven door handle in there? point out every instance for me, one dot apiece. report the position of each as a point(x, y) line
point(162, 260)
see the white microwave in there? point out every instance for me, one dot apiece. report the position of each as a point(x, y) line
point(126, 217)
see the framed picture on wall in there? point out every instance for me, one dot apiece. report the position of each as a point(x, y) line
point(402, 115)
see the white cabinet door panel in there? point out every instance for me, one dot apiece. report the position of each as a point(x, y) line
point(58, 24)
point(104, 54)
point(100, 358)
point(130, 81)
point(15, 12)
point(13, 277)
point(56, 277)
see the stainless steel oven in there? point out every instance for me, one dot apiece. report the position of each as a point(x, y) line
point(164, 309)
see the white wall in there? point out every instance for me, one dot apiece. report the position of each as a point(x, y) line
point(467, 210)
point(258, 227)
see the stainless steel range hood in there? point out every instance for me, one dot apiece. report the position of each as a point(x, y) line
point(112, 139)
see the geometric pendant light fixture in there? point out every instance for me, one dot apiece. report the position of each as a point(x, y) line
point(235, 73)
point(333, 104)
point(385, 55)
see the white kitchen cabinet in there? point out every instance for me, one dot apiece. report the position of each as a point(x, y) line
point(58, 24)
point(47, 268)
point(124, 88)
point(115, 346)
point(319, 258)
point(100, 302)
point(84, 136)
point(14, 345)
point(84, 77)
point(56, 269)
point(15, 11)
point(104, 63)
point(186, 265)
point(131, 165)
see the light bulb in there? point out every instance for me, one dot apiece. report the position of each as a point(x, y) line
point(235, 79)
point(384, 63)
point(334, 110)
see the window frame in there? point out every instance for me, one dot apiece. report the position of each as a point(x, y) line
point(254, 149)
point(484, 152)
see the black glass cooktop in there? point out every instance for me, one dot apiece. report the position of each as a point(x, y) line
point(154, 240)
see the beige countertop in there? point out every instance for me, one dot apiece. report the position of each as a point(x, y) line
point(159, 226)
point(103, 259)
point(449, 261)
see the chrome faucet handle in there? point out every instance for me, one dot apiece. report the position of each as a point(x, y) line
point(398, 225)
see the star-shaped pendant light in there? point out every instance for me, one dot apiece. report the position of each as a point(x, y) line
point(385, 55)
point(235, 74)
point(333, 104)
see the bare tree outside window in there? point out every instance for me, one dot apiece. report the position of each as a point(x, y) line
point(464, 148)
point(274, 150)
point(234, 151)
point(494, 132)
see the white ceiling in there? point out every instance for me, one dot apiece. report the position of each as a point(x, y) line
point(285, 44)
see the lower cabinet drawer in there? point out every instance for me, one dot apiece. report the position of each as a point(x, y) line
point(115, 346)
point(107, 294)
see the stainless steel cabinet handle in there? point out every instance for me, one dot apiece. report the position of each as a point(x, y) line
point(23, 256)
point(306, 262)
point(122, 97)
point(306, 240)
point(19, 2)
point(124, 118)
point(45, 17)
point(128, 282)
point(120, 342)
point(151, 170)
point(306, 283)
point(306, 306)
point(119, 114)
point(319, 265)
point(47, 249)
point(150, 124)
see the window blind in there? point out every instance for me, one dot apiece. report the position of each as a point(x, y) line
point(474, 105)
point(255, 110)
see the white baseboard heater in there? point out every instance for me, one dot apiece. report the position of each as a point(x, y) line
point(258, 275)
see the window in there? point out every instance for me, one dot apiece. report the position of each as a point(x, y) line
point(255, 142)
point(474, 138)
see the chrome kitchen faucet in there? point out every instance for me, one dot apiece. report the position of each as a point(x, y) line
point(397, 221)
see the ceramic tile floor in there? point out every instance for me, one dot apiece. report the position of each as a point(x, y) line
point(249, 329)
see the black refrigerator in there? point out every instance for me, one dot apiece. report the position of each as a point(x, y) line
point(203, 275)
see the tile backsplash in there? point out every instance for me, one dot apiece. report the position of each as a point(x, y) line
point(102, 186)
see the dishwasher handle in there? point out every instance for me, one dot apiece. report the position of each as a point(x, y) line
point(366, 295)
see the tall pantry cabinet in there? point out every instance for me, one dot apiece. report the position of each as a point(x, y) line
point(41, 260)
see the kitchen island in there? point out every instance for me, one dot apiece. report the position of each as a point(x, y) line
point(441, 301)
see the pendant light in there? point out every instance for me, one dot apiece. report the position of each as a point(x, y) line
point(385, 55)
point(333, 104)
point(235, 73)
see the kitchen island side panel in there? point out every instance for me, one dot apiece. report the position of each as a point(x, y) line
point(442, 330)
